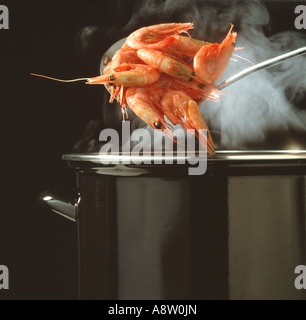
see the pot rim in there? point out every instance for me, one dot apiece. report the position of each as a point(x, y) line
point(221, 155)
point(225, 163)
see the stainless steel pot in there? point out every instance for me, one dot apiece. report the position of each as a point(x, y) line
point(153, 232)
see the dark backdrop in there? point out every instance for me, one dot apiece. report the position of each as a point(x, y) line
point(41, 120)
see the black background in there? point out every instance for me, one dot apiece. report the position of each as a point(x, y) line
point(41, 120)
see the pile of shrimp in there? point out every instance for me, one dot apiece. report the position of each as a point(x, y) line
point(163, 76)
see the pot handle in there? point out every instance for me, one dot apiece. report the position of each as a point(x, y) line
point(60, 205)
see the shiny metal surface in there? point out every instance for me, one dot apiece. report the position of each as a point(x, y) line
point(153, 232)
point(223, 235)
point(231, 158)
point(266, 236)
point(269, 155)
point(60, 205)
point(263, 65)
point(236, 232)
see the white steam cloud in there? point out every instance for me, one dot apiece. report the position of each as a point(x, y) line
point(258, 103)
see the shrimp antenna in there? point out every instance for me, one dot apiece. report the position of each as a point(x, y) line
point(59, 80)
point(236, 55)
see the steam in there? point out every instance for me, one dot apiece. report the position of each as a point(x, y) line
point(86, 38)
point(250, 109)
point(258, 104)
point(261, 102)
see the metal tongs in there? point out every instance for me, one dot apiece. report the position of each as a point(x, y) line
point(260, 66)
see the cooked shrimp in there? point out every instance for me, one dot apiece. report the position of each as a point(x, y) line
point(159, 73)
point(128, 75)
point(211, 61)
point(156, 36)
point(125, 56)
point(197, 91)
point(183, 47)
point(179, 108)
point(115, 78)
point(166, 64)
point(140, 102)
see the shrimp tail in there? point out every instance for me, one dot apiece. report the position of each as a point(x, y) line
point(195, 120)
point(177, 28)
point(204, 139)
